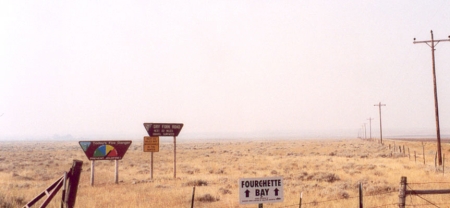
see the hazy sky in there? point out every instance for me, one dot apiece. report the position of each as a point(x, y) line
point(100, 69)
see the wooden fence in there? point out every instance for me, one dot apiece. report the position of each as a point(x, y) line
point(69, 182)
point(403, 192)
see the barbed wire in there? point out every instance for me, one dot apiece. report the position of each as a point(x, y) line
point(384, 205)
point(421, 205)
point(318, 202)
point(428, 182)
point(420, 196)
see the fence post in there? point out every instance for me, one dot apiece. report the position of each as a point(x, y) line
point(402, 193)
point(415, 157)
point(435, 164)
point(409, 155)
point(423, 151)
point(72, 187)
point(193, 193)
point(360, 196)
point(64, 190)
point(300, 204)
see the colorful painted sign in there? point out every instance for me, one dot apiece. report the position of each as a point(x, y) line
point(163, 129)
point(105, 150)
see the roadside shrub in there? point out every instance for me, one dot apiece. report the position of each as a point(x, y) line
point(333, 193)
point(326, 177)
point(207, 198)
point(196, 183)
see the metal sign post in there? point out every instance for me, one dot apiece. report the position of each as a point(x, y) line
point(92, 172)
point(151, 144)
point(116, 176)
point(151, 166)
point(174, 157)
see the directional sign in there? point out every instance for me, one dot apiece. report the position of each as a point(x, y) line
point(151, 144)
point(260, 190)
point(105, 150)
point(163, 129)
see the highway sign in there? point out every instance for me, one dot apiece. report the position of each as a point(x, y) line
point(260, 190)
point(163, 129)
point(105, 150)
point(151, 144)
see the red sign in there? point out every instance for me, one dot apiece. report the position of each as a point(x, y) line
point(163, 129)
point(105, 150)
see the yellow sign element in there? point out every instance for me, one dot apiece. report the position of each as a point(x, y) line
point(151, 144)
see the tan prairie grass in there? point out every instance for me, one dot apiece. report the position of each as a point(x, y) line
point(327, 172)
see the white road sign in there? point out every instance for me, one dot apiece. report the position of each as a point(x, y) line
point(260, 190)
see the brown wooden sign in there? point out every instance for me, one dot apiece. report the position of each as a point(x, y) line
point(163, 129)
point(151, 144)
point(105, 150)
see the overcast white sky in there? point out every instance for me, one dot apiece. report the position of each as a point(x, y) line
point(100, 69)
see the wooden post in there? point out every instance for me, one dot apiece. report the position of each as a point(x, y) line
point(381, 129)
point(72, 187)
point(92, 172)
point(409, 155)
point(174, 157)
point(300, 204)
point(63, 199)
point(443, 164)
point(423, 151)
point(389, 146)
point(193, 193)
point(116, 175)
point(360, 196)
point(151, 166)
point(402, 193)
point(415, 157)
point(435, 157)
point(432, 44)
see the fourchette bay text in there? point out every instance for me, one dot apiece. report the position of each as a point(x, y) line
point(261, 183)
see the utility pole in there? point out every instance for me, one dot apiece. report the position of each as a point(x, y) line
point(432, 43)
point(365, 131)
point(370, 128)
point(381, 127)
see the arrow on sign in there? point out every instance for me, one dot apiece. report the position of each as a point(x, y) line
point(276, 192)
point(247, 193)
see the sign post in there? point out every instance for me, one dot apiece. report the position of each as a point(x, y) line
point(151, 144)
point(260, 190)
point(92, 172)
point(105, 150)
point(174, 157)
point(165, 129)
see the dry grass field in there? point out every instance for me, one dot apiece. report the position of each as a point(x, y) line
point(327, 172)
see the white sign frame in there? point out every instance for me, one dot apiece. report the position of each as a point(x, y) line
point(261, 190)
